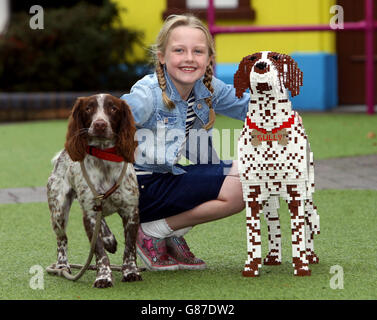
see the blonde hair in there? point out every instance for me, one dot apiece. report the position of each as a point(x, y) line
point(173, 21)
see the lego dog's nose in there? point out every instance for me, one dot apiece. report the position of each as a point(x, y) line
point(261, 65)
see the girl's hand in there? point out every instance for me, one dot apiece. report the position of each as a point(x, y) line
point(298, 116)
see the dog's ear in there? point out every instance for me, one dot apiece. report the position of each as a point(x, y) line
point(126, 143)
point(76, 140)
point(293, 76)
point(242, 76)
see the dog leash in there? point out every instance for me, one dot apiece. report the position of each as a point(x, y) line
point(99, 198)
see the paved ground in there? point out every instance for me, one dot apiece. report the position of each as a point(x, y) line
point(21, 195)
point(347, 173)
point(341, 173)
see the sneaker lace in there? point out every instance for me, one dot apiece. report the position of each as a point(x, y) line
point(184, 247)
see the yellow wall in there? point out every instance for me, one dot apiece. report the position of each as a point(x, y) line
point(146, 15)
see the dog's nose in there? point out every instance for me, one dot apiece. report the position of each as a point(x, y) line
point(100, 125)
point(261, 65)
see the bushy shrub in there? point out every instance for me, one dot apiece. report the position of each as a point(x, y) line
point(80, 48)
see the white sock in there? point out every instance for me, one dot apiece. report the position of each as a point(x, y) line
point(160, 229)
point(157, 229)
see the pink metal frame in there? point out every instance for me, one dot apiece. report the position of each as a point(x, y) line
point(368, 25)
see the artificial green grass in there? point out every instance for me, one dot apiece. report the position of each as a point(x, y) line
point(347, 239)
point(27, 148)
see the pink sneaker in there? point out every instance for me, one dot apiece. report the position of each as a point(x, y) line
point(153, 253)
point(180, 251)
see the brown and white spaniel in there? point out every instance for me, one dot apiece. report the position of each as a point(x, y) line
point(275, 161)
point(100, 136)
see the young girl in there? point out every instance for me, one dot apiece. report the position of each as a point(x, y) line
point(171, 107)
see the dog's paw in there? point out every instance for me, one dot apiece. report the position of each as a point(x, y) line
point(271, 260)
point(302, 272)
point(251, 268)
point(312, 258)
point(250, 273)
point(301, 268)
point(131, 277)
point(103, 283)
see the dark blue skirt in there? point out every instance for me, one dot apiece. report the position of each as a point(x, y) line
point(164, 194)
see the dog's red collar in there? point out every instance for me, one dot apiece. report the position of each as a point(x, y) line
point(286, 124)
point(109, 154)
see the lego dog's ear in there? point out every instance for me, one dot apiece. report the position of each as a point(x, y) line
point(292, 74)
point(242, 76)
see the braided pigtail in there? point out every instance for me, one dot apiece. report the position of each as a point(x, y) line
point(162, 82)
point(208, 83)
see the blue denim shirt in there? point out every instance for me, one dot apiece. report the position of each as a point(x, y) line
point(161, 132)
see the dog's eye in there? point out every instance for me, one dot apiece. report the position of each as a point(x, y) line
point(112, 108)
point(89, 108)
point(252, 58)
point(276, 58)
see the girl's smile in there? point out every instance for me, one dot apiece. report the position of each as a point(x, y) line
point(188, 69)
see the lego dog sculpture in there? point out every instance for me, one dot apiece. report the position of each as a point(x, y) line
point(275, 161)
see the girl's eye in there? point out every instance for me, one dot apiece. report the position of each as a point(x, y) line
point(178, 50)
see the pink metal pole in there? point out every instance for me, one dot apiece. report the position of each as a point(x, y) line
point(211, 22)
point(211, 15)
point(285, 28)
point(369, 65)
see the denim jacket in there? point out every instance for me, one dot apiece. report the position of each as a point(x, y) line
point(161, 132)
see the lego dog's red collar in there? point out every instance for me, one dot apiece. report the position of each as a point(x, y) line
point(286, 124)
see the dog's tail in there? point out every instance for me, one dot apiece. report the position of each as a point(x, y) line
point(109, 241)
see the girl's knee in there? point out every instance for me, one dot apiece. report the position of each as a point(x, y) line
point(231, 194)
point(235, 204)
point(238, 204)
